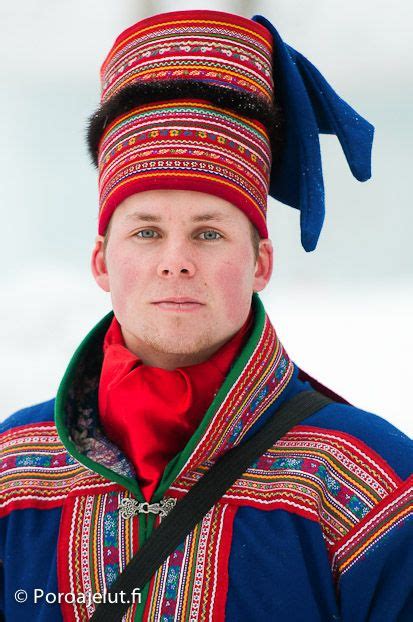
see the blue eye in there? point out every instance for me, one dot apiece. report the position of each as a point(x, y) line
point(211, 235)
point(147, 234)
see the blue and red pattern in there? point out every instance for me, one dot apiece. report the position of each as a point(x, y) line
point(319, 527)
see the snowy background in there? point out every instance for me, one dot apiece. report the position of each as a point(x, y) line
point(344, 312)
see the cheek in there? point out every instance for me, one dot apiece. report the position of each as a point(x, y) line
point(126, 280)
point(234, 283)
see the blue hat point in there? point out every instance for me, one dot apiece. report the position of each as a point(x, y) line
point(311, 107)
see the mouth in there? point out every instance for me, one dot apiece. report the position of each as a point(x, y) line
point(178, 304)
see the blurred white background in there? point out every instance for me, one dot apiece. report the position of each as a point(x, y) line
point(344, 312)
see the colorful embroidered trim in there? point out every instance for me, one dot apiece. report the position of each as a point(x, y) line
point(210, 46)
point(264, 377)
point(185, 587)
point(36, 471)
point(379, 524)
point(326, 476)
point(95, 544)
point(190, 145)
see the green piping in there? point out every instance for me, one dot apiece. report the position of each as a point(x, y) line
point(62, 431)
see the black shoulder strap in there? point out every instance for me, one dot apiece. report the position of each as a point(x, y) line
point(199, 500)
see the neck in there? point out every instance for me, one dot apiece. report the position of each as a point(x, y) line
point(153, 357)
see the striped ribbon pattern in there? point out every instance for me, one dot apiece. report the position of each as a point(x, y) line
point(211, 46)
point(190, 145)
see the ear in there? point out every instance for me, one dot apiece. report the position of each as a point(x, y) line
point(98, 264)
point(263, 265)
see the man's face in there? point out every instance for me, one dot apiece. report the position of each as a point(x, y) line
point(181, 270)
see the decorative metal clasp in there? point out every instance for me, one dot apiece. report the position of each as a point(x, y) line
point(131, 507)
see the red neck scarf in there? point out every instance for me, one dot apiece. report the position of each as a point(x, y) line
point(151, 413)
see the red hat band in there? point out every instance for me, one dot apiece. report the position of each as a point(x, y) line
point(191, 145)
point(211, 46)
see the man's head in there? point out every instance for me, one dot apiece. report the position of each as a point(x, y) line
point(181, 268)
point(184, 160)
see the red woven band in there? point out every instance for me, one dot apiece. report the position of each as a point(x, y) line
point(211, 46)
point(186, 144)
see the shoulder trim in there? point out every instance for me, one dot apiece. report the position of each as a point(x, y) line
point(36, 471)
point(326, 476)
point(396, 509)
point(383, 438)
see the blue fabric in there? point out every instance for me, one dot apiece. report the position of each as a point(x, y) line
point(28, 540)
point(311, 107)
point(30, 414)
point(378, 434)
point(379, 587)
point(278, 569)
point(391, 444)
point(278, 565)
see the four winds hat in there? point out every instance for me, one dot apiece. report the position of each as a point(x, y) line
point(218, 103)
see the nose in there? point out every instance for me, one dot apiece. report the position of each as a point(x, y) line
point(176, 261)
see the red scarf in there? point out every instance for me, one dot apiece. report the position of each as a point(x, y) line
point(151, 413)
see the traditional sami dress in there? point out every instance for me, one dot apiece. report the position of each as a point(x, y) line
point(318, 528)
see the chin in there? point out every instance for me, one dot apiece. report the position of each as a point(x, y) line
point(186, 343)
point(180, 346)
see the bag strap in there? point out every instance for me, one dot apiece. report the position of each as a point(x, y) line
point(188, 512)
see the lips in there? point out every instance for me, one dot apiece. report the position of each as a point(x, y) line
point(179, 304)
point(178, 300)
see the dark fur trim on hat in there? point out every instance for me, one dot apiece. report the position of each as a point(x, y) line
point(130, 97)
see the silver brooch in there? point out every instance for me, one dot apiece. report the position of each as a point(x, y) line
point(131, 507)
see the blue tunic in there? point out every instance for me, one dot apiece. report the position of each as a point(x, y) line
point(318, 528)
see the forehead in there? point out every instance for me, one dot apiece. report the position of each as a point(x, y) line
point(170, 205)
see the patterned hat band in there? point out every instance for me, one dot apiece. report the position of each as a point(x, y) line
point(209, 46)
point(185, 144)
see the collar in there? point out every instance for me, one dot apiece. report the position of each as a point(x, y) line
point(257, 380)
point(162, 406)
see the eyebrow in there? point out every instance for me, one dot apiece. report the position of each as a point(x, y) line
point(141, 216)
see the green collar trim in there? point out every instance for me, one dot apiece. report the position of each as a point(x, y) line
point(93, 339)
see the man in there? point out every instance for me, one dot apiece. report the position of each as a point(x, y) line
point(189, 138)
